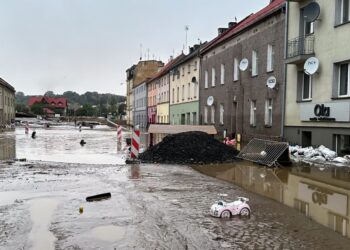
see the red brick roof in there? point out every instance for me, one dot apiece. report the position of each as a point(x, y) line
point(245, 23)
point(60, 102)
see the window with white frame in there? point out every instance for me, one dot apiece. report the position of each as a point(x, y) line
point(205, 114)
point(307, 87)
point(213, 77)
point(221, 114)
point(212, 114)
point(235, 69)
point(343, 11)
point(270, 58)
point(344, 79)
point(253, 113)
point(188, 91)
point(268, 112)
point(254, 63)
point(206, 79)
point(222, 74)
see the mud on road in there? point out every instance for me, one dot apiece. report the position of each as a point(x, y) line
point(152, 207)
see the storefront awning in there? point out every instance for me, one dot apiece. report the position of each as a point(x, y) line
point(175, 129)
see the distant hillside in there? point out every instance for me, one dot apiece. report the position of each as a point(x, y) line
point(74, 99)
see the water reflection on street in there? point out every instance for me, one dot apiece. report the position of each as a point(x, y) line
point(7, 146)
point(62, 144)
point(319, 193)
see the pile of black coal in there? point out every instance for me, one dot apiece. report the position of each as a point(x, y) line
point(189, 148)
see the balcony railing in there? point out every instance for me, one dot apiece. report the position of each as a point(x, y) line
point(303, 45)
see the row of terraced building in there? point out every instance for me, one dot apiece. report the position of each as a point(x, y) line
point(251, 80)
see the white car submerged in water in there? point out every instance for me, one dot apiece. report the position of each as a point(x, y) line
point(224, 209)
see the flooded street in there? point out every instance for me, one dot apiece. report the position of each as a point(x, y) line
point(42, 200)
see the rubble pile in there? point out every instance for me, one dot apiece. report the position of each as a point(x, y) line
point(321, 154)
point(189, 148)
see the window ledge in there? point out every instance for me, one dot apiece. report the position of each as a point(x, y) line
point(253, 76)
point(301, 101)
point(268, 126)
point(340, 97)
point(269, 71)
point(341, 24)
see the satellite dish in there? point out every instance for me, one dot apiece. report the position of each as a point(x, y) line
point(311, 66)
point(210, 100)
point(271, 82)
point(243, 65)
point(311, 11)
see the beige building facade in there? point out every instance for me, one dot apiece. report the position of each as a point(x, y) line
point(136, 75)
point(317, 110)
point(184, 89)
point(7, 103)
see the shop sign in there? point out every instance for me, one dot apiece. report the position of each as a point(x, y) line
point(329, 112)
point(323, 197)
point(322, 113)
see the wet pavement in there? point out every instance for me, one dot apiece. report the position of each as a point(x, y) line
point(152, 206)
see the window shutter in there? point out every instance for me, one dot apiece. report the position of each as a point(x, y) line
point(300, 85)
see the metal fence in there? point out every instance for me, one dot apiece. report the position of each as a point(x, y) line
point(303, 45)
point(265, 152)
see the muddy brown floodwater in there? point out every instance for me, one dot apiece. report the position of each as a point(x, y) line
point(154, 206)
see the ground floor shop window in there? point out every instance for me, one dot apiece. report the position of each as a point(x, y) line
point(337, 223)
point(342, 144)
point(221, 114)
point(253, 113)
point(212, 114)
point(268, 112)
point(194, 118)
point(183, 119)
point(302, 207)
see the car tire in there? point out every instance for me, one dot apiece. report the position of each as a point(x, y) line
point(244, 212)
point(225, 214)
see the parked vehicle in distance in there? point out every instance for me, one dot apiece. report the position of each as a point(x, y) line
point(224, 209)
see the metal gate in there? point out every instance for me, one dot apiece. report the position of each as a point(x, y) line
point(269, 153)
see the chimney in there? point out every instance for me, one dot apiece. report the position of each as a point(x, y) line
point(221, 30)
point(191, 49)
point(232, 24)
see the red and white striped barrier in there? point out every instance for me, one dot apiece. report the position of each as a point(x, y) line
point(119, 133)
point(135, 143)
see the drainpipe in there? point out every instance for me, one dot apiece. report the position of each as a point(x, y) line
point(283, 94)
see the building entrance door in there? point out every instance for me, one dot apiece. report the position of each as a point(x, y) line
point(306, 138)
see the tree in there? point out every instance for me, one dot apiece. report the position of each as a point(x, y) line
point(49, 93)
point(22, 108)
point(37, 108)
point(121, 109)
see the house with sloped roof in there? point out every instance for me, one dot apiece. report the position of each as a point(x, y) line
point(50, 105)
point(242, 76)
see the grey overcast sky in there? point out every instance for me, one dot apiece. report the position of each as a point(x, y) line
point(86, 45)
